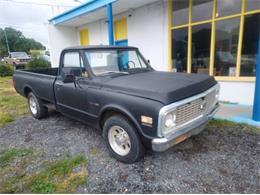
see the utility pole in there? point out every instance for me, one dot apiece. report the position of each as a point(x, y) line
point(7, 44)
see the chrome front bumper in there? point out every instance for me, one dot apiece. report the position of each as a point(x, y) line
point(162, 144)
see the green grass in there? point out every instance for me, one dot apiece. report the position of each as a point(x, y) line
point(94, 151)
point(63, 175)
point(8, 156)
point(6, 118)
point(46, 180)
point(12, 105)
point(218, 123)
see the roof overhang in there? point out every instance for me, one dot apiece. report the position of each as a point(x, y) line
point(94, 10)
point(87, 7)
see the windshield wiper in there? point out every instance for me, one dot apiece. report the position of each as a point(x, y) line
point(139, 70)
point(114, 72)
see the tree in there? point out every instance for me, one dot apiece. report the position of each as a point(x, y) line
point(17, 42)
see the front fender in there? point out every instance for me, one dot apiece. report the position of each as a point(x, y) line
point(123, 111)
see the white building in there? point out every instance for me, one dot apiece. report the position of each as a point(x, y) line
point(213, 37)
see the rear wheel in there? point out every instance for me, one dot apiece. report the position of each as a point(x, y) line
point(122, 139)
point(36, 107)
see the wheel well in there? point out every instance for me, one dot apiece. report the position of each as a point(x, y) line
point(108, 113)
point(26, 91)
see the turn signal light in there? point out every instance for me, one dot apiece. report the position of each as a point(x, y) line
point(146, 120)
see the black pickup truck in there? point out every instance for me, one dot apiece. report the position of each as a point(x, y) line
point(114, 89)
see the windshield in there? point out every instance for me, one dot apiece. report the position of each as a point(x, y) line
point(19, 55)
point(115, 61)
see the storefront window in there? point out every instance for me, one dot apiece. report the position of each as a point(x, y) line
point(250, 45)
point(201, 35)
point(223, 44)
point(201, 10)
point(226, 47)
point(228, 7)
point(180, 12)
point(252, 5)
point(179, 49)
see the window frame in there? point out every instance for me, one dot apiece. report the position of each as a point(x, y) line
point(90, 68)
point(212, 21)
point(81, 60)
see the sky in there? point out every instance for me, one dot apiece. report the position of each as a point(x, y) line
point(31, 16)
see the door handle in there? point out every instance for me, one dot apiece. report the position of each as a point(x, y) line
point(58, 86)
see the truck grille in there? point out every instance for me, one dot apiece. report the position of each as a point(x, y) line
point(194, 109)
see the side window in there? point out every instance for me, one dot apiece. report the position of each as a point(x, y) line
point(71, 59)
point(73, 64)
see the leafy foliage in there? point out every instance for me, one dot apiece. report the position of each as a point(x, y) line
point(17, 42)
point(38, 64)
point(6, 69)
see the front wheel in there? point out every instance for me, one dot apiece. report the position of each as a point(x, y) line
point(122, 139)
point(36, 107)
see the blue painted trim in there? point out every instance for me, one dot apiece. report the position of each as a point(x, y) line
point(89, 6)
point(123, 42)
point(256, 108)
point(110, 24)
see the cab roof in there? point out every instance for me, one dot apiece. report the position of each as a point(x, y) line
point(93, 47)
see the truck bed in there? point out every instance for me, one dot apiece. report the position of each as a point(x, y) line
point(40, 81)
point(45, 71)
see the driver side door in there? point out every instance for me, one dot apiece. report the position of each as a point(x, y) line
point(72, 97)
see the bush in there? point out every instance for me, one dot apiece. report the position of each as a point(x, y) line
point(38, 64)
point(6, 70)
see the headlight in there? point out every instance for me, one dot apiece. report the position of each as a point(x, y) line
point(169, 121)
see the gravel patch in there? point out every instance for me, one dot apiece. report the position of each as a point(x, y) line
point(224, 160)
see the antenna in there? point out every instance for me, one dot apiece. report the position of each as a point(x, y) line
point(7, 44)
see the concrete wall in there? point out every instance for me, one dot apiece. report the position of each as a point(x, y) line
point(59, 38)
point(148, 30)
point(97, 32)
point(237, 92)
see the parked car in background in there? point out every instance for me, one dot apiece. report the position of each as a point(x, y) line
point(18, 59)
point(113, 88)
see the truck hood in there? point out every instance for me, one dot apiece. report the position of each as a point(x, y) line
point(165, 87)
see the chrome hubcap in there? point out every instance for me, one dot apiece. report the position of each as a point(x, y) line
point(119, 140)
point(33, 106)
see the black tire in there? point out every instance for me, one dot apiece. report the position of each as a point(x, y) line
point(136, 150)
point(41, 111)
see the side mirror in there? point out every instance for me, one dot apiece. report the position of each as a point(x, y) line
point(148, 61)
point(68, 78)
